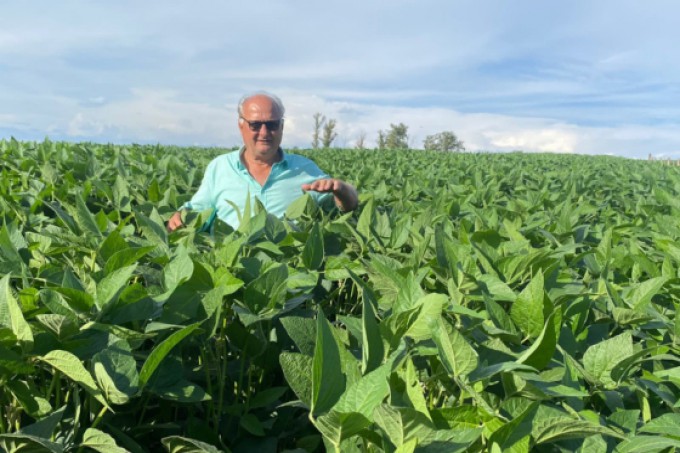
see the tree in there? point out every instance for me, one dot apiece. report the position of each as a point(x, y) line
point(397, 137)
point(329, 133)
point(319, 121)
point(443, 141)
point(381, 140)
point(361, 140)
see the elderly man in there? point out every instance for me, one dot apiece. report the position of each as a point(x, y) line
point(263, 170)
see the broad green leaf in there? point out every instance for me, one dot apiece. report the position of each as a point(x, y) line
point(100, 441)
point(110, 287)
point(313, 251)
point(178, 444)
point(328, 382)
point(455, 352)
point(30, 399)
point(10, 259)
point(365, 222)
point(336, 426)
point(554, 429)
point(11, 362)
point(372, 347)
point(45, 427)
point(161, 350)
point(17, 322)
point(431, 307)
point(666, 424)
point(296, 371)
point(302, 331)
point(115, 370)
point(252, 424)
point(497, 289)
point(126, 257)
point(641, 296)
point(527, 310)
point(69, 365)
point(514, 435)
point(85, 219)
point(647, 444)
point(600, 359)
point(364, 395)
point(18, 442)
point(178, 270)
point(539, 354)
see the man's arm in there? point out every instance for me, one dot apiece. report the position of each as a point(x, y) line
point(346, 197)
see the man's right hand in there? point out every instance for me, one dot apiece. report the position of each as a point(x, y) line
point(175, 221)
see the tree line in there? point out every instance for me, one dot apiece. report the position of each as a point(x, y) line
point(396, 137)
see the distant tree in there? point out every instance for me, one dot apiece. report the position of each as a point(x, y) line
point(329, 133)
point(381, 140)
point(319, 121)
point(397, 137)
point(361, 140)
point(443, 141)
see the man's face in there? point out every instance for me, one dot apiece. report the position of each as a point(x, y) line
point(261, 142)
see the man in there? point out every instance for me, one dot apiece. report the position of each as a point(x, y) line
point(261, 169)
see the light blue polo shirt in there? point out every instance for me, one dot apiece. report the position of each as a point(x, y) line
point(227, 179)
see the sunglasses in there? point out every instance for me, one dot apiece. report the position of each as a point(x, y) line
point(272, 125)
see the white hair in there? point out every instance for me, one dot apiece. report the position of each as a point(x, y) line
point(272, 97)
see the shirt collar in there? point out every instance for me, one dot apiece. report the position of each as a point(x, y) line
point(283, 162)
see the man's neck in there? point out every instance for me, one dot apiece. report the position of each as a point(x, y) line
point(249, 159)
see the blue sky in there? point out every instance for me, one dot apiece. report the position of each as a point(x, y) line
point(596, 77)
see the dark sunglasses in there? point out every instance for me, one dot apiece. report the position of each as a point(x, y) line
point(272, 125)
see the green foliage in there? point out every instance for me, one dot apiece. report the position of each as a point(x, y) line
point(474, 302)
point(443, 141)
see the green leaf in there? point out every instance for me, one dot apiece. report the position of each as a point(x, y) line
point(328, 382)
point(666, 424)
point(126, 257)
point(455, 352)
point(555, 429)
point(431, 307)
point(178, 444)
point(539, 354)
point(600, 359)
point(302, 331)
point(647, 444)
point(85, 219)
point(110, 287)
point(372, 346)
point(497, 289)
point(10, 259)
point(115, 369)
point(161, 350)
point(178, 270)
point(252, 424)
point(69, 365)
point(641, 296)
point(364, 395)
point(30, 399)
point(24, 443)
point(515, 432)
point(527, 310)
point(336, 426)
point(17, 322)
point(100, 441)
point(313, 252)
point(296, 371)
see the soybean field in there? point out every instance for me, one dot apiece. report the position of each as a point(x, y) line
point(474, 302)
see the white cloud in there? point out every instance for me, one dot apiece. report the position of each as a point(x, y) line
point(596, 77)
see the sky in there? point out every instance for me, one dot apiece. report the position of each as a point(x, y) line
point(584, 76)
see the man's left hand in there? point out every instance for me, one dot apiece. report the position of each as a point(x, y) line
point(324, 185)
point(345, 195)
